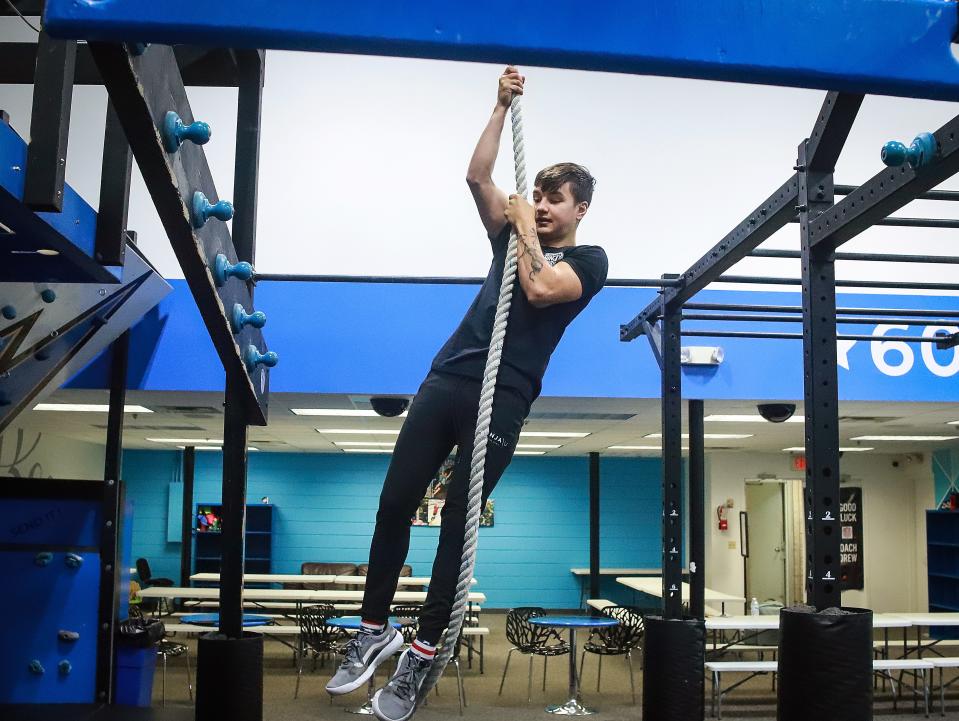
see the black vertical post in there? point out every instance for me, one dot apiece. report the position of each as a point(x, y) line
point(109, 242)
point(594, 525)
point(672, 423)
point(186, 531)
point(50, 124)
point(821, 395)
point(234, 512)
point(250, 70)
point(113, 456)
point(697, 511)
point(109, 597)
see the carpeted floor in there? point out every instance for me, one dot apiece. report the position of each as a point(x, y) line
point(755, 700)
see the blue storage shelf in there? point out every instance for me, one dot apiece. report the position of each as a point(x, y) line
point(942, 548)
point(258, 540)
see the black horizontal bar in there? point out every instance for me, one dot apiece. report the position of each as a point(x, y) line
point(913, 222)
point(879, 257)
point(798, 336)
point(928, 195)
point(768, 318)
point(907, 285)
point(441, 280)
point(907, 312)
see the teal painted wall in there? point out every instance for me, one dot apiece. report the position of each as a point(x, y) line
point(325, 506)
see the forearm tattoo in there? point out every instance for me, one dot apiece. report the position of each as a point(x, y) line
point(532, 250)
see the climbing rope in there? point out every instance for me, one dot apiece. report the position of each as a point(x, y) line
point(478, 463)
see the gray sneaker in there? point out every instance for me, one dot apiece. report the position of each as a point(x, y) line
point(397, 700)
point(364, 653)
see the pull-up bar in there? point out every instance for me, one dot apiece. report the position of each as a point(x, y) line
point(928, 195)
point(748, 318)
point(945, 341)
point(878, 257)
point(899, 312)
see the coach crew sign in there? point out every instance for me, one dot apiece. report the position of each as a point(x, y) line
point(850, 519)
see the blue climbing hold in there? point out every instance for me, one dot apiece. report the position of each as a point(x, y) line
point(64, 667)
point(203, 210)
point(36, 667)
point(239, 319)
point(920, 154)
point(43, 558)
point(175, 132)
point(9, 312)
point(73, 560)
point(223, 270)
point(48, 295)
point(253, 358)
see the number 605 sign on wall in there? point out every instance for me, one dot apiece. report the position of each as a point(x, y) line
point(896, 358)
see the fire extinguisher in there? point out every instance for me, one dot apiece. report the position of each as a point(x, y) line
point(721, 515)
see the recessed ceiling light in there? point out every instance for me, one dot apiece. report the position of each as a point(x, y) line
point(552, 434)
point(389, 444)
point(842, 449)
point(215, 448)
point(529, 453)
point(367, 450)
point(952, 423)
point(538, 445)
point(87, 407)
point(48, 251)
point(712, 436)
point(189, 441)
point(904, 438)
point(357, 431)
point(639, 448)
point(746, 418)
point(352, 412)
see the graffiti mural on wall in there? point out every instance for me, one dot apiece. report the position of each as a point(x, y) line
point(15, 454)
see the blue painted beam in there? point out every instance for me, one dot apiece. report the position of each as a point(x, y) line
point(887, 47)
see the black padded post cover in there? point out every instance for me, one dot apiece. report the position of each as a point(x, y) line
point(673, 658)
point(825, 664)
point(229, 677)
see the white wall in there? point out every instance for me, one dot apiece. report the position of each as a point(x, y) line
point(34, 453)
point(363, 162)
point(894, 503)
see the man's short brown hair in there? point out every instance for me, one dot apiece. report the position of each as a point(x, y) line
point(581, 183)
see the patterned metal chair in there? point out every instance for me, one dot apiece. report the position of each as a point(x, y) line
point(618, 640)
point(532, 640)
point(408, 616)
point(317, 638)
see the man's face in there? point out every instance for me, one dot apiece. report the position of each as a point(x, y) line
point(557, 213)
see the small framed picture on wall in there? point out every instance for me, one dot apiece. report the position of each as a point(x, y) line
point(430, 509)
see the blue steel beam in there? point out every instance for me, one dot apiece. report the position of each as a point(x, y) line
point(886, 47)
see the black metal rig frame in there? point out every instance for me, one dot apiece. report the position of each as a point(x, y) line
point(806, 197)
point(143, 84)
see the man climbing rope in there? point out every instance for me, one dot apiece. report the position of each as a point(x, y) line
point(558, 279)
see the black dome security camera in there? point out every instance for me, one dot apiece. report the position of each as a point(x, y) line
point(389, 407)
point(776, 412)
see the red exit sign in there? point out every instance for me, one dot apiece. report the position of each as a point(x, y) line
point(799, 462)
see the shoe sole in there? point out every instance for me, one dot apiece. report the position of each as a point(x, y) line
point(383, 654)
point(379, 714)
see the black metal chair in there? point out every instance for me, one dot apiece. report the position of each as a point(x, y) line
point(408, 616)
point(147, 579)
point(532, 640)
point(618, 640)
point(317, 638)
point(170, 649)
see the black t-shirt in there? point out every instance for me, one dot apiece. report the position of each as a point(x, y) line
point(532, 333)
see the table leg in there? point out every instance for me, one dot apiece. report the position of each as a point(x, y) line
point(574, 706)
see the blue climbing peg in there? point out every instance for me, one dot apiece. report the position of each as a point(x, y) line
point(36, 667)
point(43, 558)
point(8, 312)
point(48, 295)
point(223, 270)
point(203, 210)
point(240, 318)
point(919, 155)
point(65, 667)
point(252, 358)
point(73, 560)
point(175, 132)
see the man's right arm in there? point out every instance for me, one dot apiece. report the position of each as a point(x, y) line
point(491, 201)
